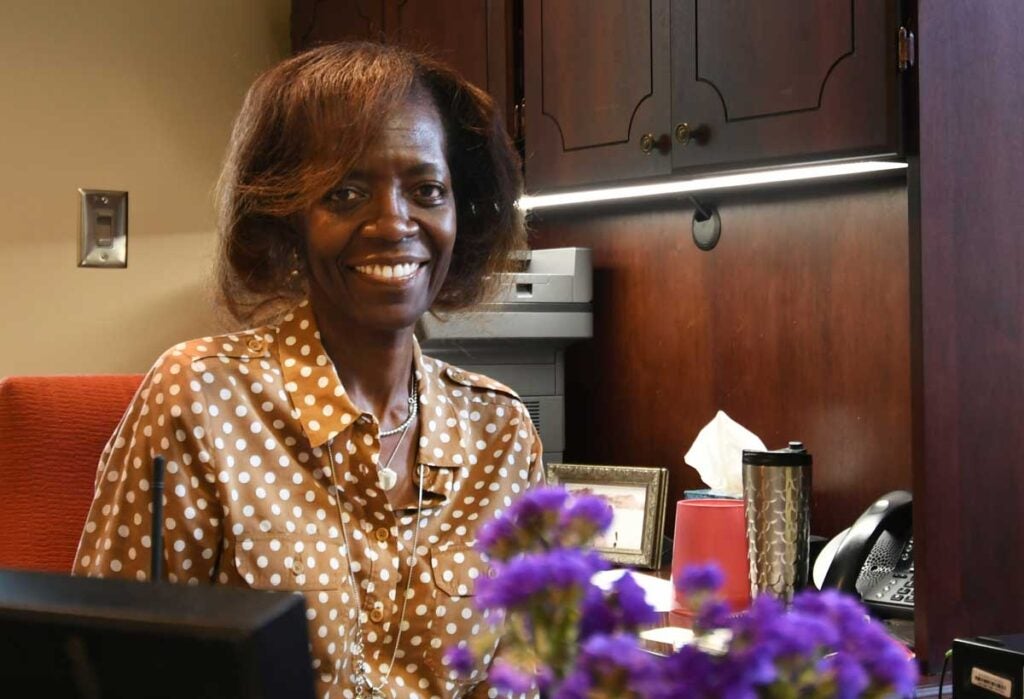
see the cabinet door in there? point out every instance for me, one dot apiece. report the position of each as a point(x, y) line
point(595, 82)
point(473, 36)
point(764, 82)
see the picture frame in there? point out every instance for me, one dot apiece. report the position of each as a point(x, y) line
point(637, 495)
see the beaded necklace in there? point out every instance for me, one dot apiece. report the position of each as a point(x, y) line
point(360, 668)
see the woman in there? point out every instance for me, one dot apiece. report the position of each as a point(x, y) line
point(321, 451)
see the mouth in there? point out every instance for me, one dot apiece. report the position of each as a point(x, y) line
point(390, 274)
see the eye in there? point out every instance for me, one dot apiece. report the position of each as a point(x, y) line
point(431, 193)
point(344, 197)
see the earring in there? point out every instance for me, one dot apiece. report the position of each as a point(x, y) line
point(295, 270)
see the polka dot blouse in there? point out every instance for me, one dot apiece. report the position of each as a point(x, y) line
point(267, 458)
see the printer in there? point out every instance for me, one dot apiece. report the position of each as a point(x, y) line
point(520, 338)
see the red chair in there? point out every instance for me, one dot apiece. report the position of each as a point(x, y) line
point(52, 432)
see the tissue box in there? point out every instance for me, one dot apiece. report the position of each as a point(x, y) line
point(708, 493)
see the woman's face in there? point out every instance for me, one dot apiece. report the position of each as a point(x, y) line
point(379, 244)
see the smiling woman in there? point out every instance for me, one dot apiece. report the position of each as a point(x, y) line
point(303, 129)
point(321, 451)
point(379, 244)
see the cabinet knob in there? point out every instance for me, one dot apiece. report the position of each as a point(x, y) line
point(686, 134)
point(648, 142)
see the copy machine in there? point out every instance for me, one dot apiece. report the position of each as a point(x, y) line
point(520, 339)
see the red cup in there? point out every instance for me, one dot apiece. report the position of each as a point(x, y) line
point(712, 531)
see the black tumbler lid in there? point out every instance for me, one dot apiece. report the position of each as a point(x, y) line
point(793, 455)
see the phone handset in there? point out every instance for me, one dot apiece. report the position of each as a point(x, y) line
point(890, 513)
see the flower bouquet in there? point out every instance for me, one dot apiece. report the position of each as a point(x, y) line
point(565, 638)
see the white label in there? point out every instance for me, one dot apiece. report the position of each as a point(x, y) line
point(993, 683)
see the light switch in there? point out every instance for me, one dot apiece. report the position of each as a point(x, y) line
point(103, 239)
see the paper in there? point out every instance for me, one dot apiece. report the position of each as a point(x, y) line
point(676, 636)
point(717, 453)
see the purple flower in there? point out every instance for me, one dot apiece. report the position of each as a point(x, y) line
point(858, 639)
point(552, 578)
point(700, 579)
point(538, 508)
point(498, 538)
point(691, 672)
point(624, 608)
point(632, 602)
point(507, 677)
point(596, 614)
point(849, 678)
point(460, 659)
point(571, 640)
point(891, 666)
point(713, 614)
point(530, 524)
point(843, 609)
point(615, 665)
point(582, 518)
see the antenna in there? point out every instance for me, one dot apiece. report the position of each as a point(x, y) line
point(156, 561)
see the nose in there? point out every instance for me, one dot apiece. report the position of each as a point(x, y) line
point(389, 219)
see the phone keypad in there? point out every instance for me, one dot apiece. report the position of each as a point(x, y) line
point(898, 589)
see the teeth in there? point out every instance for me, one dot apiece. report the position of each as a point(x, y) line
point(389, 271)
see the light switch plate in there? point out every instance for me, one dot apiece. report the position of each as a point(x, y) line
point(103, 235)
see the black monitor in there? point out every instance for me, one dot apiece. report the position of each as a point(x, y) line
point(63, 636)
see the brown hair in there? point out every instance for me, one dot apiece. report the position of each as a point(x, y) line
point(304, 124)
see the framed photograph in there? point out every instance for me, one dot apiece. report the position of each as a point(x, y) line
point(637, 495)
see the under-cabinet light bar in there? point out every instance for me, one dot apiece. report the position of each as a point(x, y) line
point(700, 184)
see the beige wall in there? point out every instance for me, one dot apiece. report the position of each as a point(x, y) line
point(135, 95)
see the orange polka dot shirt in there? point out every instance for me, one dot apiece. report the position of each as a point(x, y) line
point(270, 470)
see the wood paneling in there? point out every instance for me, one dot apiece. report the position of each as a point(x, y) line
point(316, 22)
point(462, 43)
point(473, 36)
point(969, 379)
point(797, 325)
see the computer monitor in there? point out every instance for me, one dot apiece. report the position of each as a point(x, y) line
point(85, 637)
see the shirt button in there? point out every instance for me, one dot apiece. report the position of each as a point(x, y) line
point(382, 534)
point(298, 568)
point(377, 613)
point(255, 344)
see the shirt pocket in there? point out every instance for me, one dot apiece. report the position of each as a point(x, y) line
point(439, 480)
point(455, 569)
point(456, 566)
point(275, 562)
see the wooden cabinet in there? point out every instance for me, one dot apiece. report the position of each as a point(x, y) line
point(745, 83)
point(786, 80)
point(473, 36)
point(595, 82)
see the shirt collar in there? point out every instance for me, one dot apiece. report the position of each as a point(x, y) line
point(443, 433)
point(324, 409)
point(319, 401)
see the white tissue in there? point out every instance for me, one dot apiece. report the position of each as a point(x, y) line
point(717, 453)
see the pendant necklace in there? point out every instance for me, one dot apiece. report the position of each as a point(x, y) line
point(364, 688)
point(386, 476)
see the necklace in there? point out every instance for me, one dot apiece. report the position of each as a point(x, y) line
point(413, 409)
point(360, 668)
point(386, 476)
